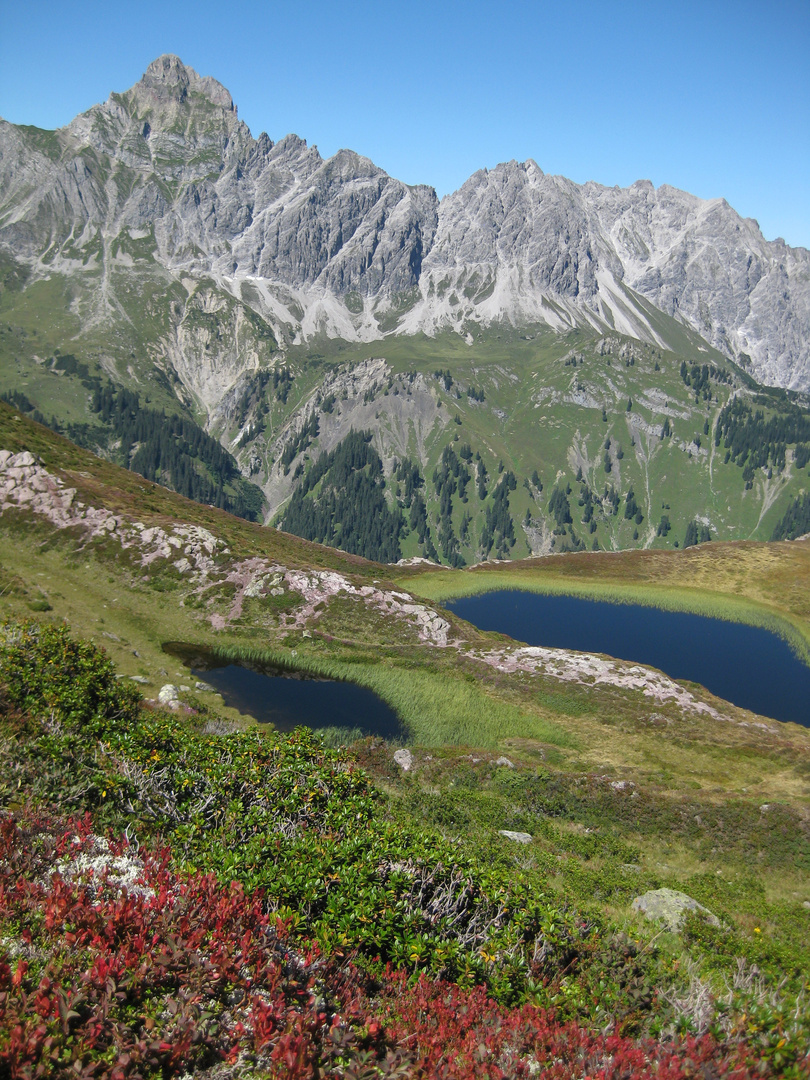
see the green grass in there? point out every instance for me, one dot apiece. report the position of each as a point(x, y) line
point(327, 846)
point(442, 695)
point(441, 698)
point(594, 845)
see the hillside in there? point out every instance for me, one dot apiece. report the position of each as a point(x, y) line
point(501, 864)
point(600, 419)
point(604, 417)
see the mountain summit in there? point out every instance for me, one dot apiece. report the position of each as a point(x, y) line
point(340, 249)
point(168, 79)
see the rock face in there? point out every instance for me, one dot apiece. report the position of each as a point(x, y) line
point(167, 174)
point(215, 200)
point(515, 242)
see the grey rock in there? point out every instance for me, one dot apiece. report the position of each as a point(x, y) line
point(518, 837)
point(168, 693)
point(204, 686)
point(249, 207)
point(505, 762)
point(168, 80)
point(697, 261)
point(139, 679)
point(403, 758)
point(621, 785)
point(669, 907)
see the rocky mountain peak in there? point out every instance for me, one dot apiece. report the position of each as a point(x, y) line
point(344, 250)
point(168, 80)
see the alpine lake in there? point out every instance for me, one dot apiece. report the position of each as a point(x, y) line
point(746, 665)
point(289, 698)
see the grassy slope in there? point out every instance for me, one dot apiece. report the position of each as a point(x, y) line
point(541, 413)
point(692, 818)
point(443, 695)
point(135, 322)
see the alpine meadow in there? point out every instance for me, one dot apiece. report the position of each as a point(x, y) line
point(262, 415)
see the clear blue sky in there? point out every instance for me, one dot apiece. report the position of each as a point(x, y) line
point(712, 97)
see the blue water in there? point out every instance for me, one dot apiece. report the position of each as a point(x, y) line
point(746, 665)
point(292, 699)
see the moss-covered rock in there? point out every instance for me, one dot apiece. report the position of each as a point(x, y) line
point(668, 906)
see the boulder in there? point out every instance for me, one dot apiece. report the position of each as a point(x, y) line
point(168, 694)
point(518, 837)
point(668, 906)
point(404, 758)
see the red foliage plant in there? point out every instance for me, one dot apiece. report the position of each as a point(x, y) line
point(177, 973)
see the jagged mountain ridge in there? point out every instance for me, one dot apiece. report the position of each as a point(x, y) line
point(339, 248)
point(544, 241)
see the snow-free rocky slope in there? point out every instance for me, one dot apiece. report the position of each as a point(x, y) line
point(165, 181)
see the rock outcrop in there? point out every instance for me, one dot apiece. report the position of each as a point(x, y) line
point(201, 558)
point(669, 907)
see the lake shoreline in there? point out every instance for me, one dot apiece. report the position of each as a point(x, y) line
point(748, 666)
point(443, 586)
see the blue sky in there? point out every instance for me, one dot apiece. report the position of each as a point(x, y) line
point(712, 97)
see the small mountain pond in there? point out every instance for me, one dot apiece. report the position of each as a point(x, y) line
point(746, 665)
point(287, 699)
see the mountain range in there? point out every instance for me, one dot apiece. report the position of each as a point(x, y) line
point(155, 243)
point(341, 248)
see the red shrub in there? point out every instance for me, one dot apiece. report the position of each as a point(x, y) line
point(186, 972)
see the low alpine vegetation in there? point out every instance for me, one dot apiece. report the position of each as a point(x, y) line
point(272, 919)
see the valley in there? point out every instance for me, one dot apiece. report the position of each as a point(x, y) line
point(618, 778)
